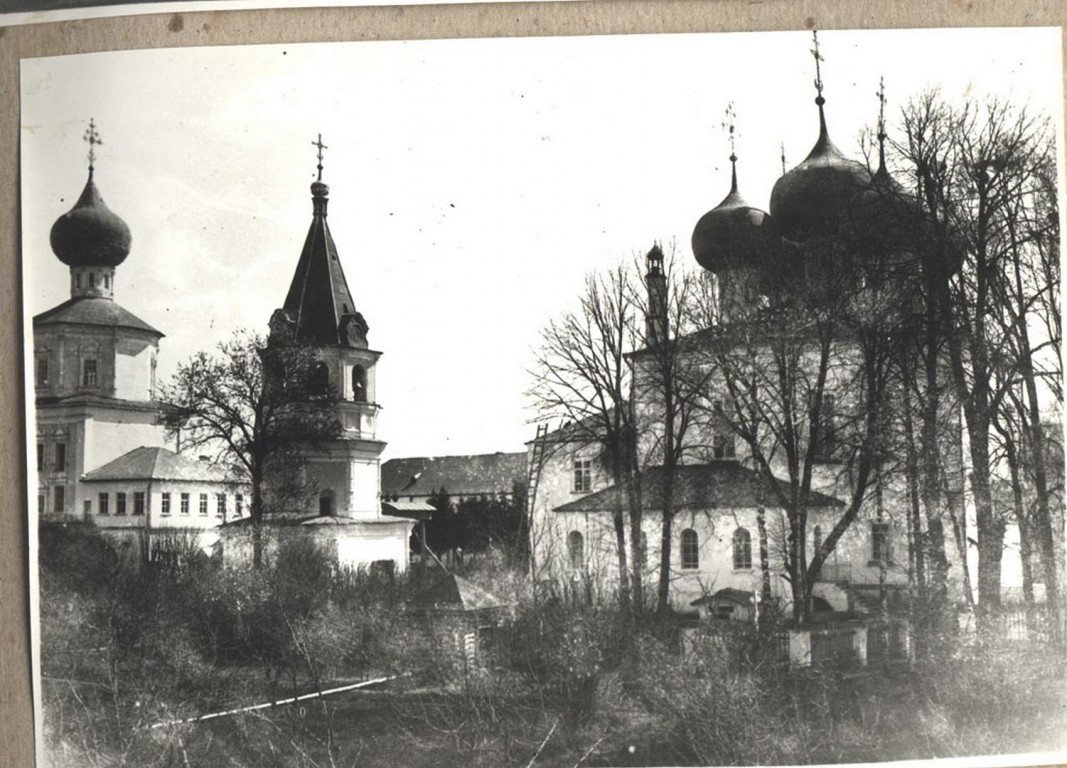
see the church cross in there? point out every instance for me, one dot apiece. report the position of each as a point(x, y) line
point(321, 147)
point(93, 138)
point(818, 58)
point(730, 125)
point(881, 109)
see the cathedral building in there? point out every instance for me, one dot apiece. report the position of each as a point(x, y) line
point(832, 239)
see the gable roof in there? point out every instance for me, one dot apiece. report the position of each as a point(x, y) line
point(156, 463)
point(93, 310)
point(716, 485)
point(487, 474)
point(453, 592)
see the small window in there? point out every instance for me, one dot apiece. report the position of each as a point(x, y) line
point(87, 508)
point(102, 504)
point(880, 549)
point(816, 539)
point(742, 550)
point(203, 504)
point(826, 436)
point(120, 503)
point(40, 456)
point(690, 550)
point(319, 379)
point(138, 502)
point(61, 457)
point(583, 475)
point(164, 504)
point(184, 509)
point(576, 550)
point(220, 505)
point(42, 504)
point(89, 372)
point(78, 280)
point(326, 503)
point(41, 371)
point(723, 446)
point(92, 279)
point(107, 282)
point(59, 498)
point(359, 384)
point(239, 505)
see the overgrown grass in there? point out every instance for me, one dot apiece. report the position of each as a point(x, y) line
point(124, 648)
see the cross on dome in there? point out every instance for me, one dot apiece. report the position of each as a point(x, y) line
point(321, 147)
point(93, 138)
point(818, 70)
point(729, 124)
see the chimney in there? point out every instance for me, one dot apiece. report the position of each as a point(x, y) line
point(656, 282)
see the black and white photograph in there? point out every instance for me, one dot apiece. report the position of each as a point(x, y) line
point(619, 400)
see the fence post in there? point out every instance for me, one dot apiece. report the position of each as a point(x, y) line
point(799, 648)
point(859, 644)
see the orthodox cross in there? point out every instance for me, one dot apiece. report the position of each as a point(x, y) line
point(731, 129)
point(783, 156)
point(321, 147)
point(93, 138)
point(818, 58)
point(881, 109)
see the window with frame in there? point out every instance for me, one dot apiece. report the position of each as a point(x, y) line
point(826, 433)
point(359, 384)
point(102, 503)
point(164, 504)
point(220, 505)
point(880, 544)
point(203, 504)
point(319, 379)
point(723, 445)
point(583, 475)
point(690, 549)
point(40, 375)
point(89, 372)
point(42, 503)
point(184, 501)
point(120, 503)
point(576, 550)
point(59, 498)
point(742, 549)
point(61, 457)
point(239, 505)
point(40, 456)
point(138, 502)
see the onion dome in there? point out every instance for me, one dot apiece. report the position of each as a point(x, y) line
point(733, 234)
point(817, 196)
point(90, 234)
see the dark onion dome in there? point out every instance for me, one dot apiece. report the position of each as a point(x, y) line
point(816, 196)
point(90, 234)
point(733, 234)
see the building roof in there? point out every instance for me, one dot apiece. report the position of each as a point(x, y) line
point(319, 303)
point(96, 311)
point(453, 592)
point(156, 463)
point(90, 234)
point(716, 485)
point(486, 474)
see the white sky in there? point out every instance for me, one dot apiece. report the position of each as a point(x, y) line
point(473, 182)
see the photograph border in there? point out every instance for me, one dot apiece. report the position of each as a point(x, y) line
point(407, 22)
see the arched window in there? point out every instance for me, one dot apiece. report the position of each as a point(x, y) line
point(326, 503)
point(319, 380)
point(576, 550)
point(690, 550)
point(644, 548)
point(816, 539)
point(742, 549)
point(359, 384)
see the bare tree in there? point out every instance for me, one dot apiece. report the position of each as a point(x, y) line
point(259, 408)
point(581, 376)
